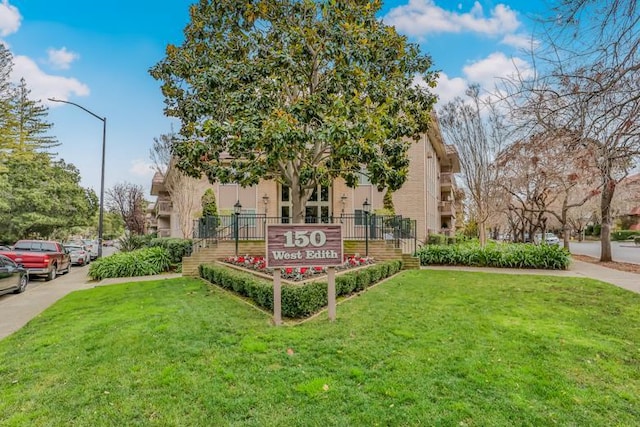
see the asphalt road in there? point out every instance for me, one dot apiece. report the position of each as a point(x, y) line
point(620, 251)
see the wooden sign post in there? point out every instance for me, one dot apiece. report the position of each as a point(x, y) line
point(304, 245)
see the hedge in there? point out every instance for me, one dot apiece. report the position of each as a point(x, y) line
point(298, 300)
point(624, 235)
point(505, 255)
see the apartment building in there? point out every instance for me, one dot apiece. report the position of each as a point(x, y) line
point(428, 195)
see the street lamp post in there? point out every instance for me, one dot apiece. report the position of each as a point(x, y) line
point(366, 208)
point(236, 211)
point(104, 141)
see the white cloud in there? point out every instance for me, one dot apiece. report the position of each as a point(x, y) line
point(447, 89)
point(141, 167)
point(422, 17)
point(485, 72)
point(61, 58)
point(495, 66)
point(43, 85)
point(520, 41)
point(10, 18)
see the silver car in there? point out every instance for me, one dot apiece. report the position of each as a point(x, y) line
point(549, 239)
point(92, 247)
point(79, 254)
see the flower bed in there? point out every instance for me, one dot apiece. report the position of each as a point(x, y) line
point(295, 274)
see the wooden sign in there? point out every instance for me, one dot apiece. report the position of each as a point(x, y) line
point(304, 245)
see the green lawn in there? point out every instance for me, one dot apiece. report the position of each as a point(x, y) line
point(425, 348)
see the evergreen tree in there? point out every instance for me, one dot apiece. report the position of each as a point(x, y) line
point(6, 97)
point(31, 129)
point(41, 198)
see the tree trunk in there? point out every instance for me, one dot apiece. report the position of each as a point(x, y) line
point(299, 199)
point(608, 189)
point(482, 233)
point(565, 224)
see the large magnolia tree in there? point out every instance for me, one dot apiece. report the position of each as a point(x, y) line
point(300, 92)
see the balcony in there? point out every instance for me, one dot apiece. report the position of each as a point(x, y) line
point(447, 181)
point(164, 232)
point(157, 184)
point(163, 209)
point(447, 209)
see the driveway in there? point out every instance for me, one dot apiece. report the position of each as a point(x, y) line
point(620, 251)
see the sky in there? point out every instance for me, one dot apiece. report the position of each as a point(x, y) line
point(99, 56)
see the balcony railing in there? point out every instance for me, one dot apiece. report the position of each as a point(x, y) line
point(446, 180)
point(164, 232)
point(447, 208)
point(164, 208)
point(401, 231)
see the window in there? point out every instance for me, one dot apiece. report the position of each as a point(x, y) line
point(363, 177)
point(317, 207)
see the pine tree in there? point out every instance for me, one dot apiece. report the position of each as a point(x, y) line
point(7, 91)
point(31, 127)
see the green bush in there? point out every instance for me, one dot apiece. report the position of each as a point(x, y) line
point(297, 300)
point(132, 242)
point(436, 239)
point(141, 262)
point(623, 235)
point(177, 248)
point(551, 257)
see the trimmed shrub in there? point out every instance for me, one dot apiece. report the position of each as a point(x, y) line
point(298, 300)
point(551, 257)
point(141, 262)
point(623, 235)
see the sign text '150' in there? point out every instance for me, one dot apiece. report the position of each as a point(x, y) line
point(304, 238)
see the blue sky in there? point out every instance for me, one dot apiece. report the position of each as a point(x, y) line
point(99, 55)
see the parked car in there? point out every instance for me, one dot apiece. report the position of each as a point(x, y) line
point(40, 257)
point(92, 247)
point(13, 277)
point(78, 253)
point(549, 239)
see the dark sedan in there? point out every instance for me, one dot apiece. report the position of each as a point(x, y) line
point(13, 277)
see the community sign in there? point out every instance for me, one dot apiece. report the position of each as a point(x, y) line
point(304, 245)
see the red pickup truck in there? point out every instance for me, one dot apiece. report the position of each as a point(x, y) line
point(40, 257)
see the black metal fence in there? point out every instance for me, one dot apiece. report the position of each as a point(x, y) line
point(354, 227)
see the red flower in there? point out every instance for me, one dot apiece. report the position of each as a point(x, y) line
point(288, 270)
point(303, 270)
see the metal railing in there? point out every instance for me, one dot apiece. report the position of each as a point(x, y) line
point(392, 228)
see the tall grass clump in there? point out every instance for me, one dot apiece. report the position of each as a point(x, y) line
point(506, 255)
point(177, 248)
point(141, 262)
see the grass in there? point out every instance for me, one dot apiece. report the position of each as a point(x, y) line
point(424, 348)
